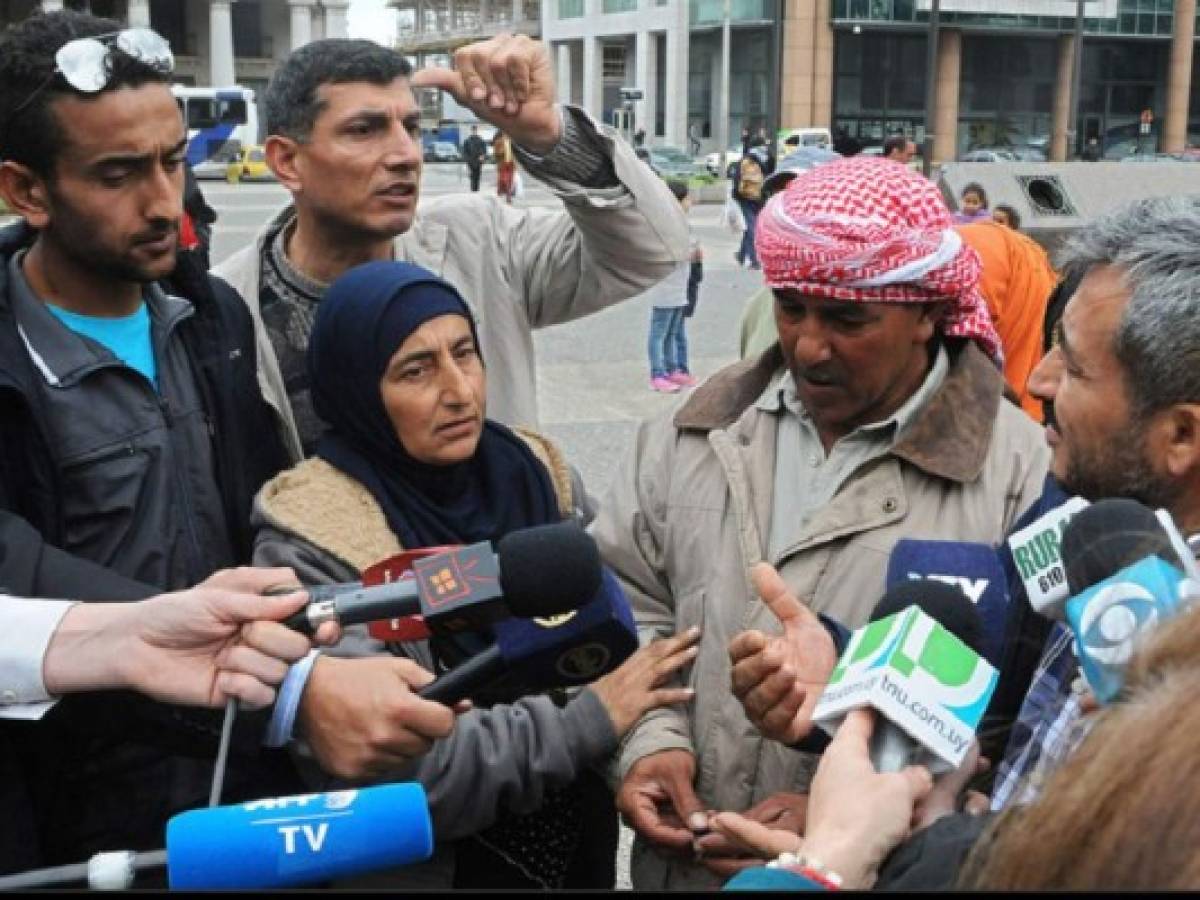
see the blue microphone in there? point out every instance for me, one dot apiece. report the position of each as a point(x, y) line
point(1126, 569)
point(973, 569)
point(305, 839)
point(276, 843)
point(534, 655)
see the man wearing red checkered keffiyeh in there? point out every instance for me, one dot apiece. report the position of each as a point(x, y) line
point(876, 416)
point(867, 230)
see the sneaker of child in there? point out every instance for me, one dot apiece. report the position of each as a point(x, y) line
point(664, 385)
point(683, 379)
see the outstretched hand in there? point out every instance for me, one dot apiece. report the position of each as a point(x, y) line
point(779, 679)
point(506, 81)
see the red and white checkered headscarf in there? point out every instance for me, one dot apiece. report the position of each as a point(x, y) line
point(870, 230)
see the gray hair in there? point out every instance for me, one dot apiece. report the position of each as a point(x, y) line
point(290, 100)
point(1155, 242)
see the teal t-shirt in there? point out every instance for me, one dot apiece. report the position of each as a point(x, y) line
point(127, 337)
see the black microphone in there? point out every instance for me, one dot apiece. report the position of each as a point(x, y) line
point(534, 655)
point(891, 746)
point(1128, 569)
point(1110, 535)
point(534, 572)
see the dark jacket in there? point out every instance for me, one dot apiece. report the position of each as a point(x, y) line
point(104, 771)
point(219, 341)
point(474, 151)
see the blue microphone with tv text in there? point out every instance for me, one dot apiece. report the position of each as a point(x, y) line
point(971, 568)
point(273, 843)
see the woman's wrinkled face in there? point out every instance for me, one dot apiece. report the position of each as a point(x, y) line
point(434, 392)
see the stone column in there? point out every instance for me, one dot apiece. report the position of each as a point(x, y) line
point(335, 18)
point(518, 11)
point(563, 78)
point(139, 13)
point(641, 61)
point(593, 97)
point(1179, 77)
point(806, 92)
point(301, 22)
point(949, 73)
point(1061, 121)
point(647, 80)
point(676, 131)
point(720, 87)
point(220, 43)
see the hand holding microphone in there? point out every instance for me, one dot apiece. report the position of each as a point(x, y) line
point(217, 641)
point(363, 718)
point(779, 679)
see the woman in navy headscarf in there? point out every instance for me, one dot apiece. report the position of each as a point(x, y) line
point(410, 461)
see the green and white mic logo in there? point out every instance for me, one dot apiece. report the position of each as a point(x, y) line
point(917, 674)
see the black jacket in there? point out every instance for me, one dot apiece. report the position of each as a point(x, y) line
point(219, 339)
point(104, 771)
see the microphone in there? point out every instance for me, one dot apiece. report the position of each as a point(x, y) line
point(539, 571)
point(531, 655)
point(1037, 555)
point(918, 665)
point(1126, 570)
point(972, 568)
point(281, 842)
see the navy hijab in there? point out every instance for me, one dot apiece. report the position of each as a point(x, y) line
point(361, 322)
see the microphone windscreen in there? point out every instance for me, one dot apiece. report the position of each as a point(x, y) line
point(548, 570)
point(1108, 536)
point(946, 605)
point(305, 839)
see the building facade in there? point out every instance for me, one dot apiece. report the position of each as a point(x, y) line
point(216, 42)
point(1003, 71)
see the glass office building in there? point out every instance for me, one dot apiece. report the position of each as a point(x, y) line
point(1011, 70)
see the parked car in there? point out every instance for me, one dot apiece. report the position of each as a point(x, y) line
point(442, 151)
point(249, 165)
point(1029, 154)
point(988, 154)
point(1151, 158)
point(668, 162)
point(804, 137)
point(712, 162)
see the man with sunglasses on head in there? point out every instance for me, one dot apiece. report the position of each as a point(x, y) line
point(343, 130)
point(133, 436)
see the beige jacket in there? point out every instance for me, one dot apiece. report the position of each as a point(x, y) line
point(518, 269)
point(691, 515)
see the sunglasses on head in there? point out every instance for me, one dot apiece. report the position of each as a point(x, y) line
point(86, 63)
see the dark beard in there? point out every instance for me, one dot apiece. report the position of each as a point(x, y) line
point(1120, 470)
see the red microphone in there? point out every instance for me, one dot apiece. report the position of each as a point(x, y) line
point(398, 567)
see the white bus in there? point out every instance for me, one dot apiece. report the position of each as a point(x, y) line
point(220, 121)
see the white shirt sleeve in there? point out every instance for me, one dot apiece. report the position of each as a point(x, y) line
point(26, 627)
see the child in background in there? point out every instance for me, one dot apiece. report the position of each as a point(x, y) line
point(1005, 215)
point(671, 299)
point(972, 205)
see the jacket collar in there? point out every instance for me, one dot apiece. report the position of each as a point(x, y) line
point(949, 438)
point(60, 355)
point(424, 243)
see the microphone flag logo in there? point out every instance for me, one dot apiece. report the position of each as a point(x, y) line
point(919, 676)
point(1110, 617)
